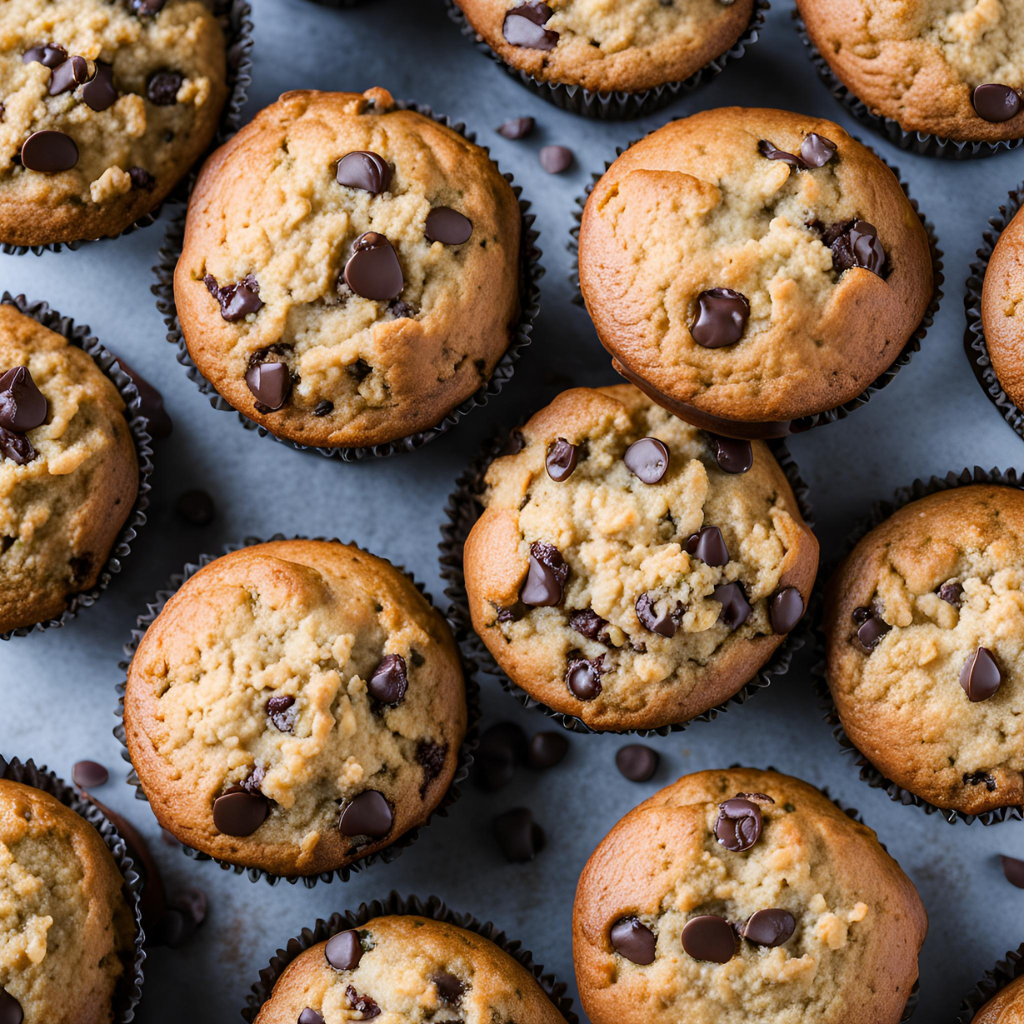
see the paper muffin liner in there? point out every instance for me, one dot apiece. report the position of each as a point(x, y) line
point(617, 106)
point(432, 908)
point(388, 853)
point(129, 989)
point(886, 377)
point(530, 273)
point(235, 19)
point(921, 143)
point(464, 509)
point(81, 337)
point(974, 335)
point(881, 511)
point(993, 982)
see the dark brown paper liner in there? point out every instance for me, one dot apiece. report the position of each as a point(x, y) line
point(237, 24)
point(974, 335)
point(921, 143)
point(991, 985)
point(129, 988)
point(462, 511)
point(617, 106)
point(886, 377)
point(881, 511)
point(388, 853)
point(530, 273)
point(432, 908)
point(81, 337)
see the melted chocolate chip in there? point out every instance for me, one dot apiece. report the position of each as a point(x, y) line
point(15, 447)
point(546, 750)
point(732, 456)
point(517, 128)
point(518, 835)
point(664, 623)
point(633, 940)
point(389, 682)
point(50, 55)
point(735, 607)
point(239, 812)
point(589, 624)
point(373, 270)
point(951, 593)
point(151, 403)
point(448, 226)
point(721, 319)
point(980, 676)
point(871, 627)
point(583, 676)
point(785, 609)
point(524, 26)
point(22, 405)
point(769, 927)
point(555, 159)
point(369, 814)
point(49, 152)
point(708, 545)
point(561, 460)
point(854, 243)
point(771, 152)
point(709, 938)
point(431, 757)
point(363, 1005)
point(196, 508)
point(10, 1009)
point(310, 1016)
point(546, 578)
point(141, 178)
point(162, 88)
point(637, 762)
point(344, 951)
point(69, 75)
point(282, 713)
point(364, 170)
point(99, 94)
point(270, 384)
point(449, 988)
point(996, 103)
point(236, 300)
point(816, 150)
point(647, 459)
point(739, 824)
point(89, 774)
point(1013, 869)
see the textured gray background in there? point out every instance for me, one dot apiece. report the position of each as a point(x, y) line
point(58, 687)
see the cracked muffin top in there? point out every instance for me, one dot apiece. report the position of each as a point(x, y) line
point(1002, 309)
point(407, 969)
point(295, 706)
point(105, 107)
point(350, 270)
point(628, 569)
point(744, 897)
point(609, 45)
point(66, 930)
point(1005, 1007)
point(952, 68)
point(924, 624)
point(747, 268)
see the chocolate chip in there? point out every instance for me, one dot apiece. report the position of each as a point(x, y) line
point(980, 676)
point(647, 459)
point(1014, 871)
point(517, 128)
point(854, 244)
point(49, 152)
point(785, 609)
point(162, 88)
point(239, 812)
point(524, 26)
point(634, 941)
point(196, 508)
point(10, 1009)
point(401, 310)
point(561, 460)
point(373, 270)
point(310, 1016)
point(389, 681)
point(816, 150)
point(151, 402)
point(22, 406)
point(344, 951)
point(996, 103)
point(281, 712)
point(731, 455)
point(141, 178)
point(369, 814)
point(709, 938)
point(89, 774)
point(69, 75)
point(366, 1007)
point(637, 762)
point(555, 159)
point(364, 170)
point(270, 384)
point(50, 55)
point(181, 920)
point(980, 778)
point(771, 152)
point(431, 757)
point(952, 593)
point(739, 824)
point(589, 624)
point(769, 927)
point(871, 627)
point(721, 319)
point(448, 226)
point(147, 7)
point(545, 580)
point(735, 607)
point(708, 545)
point(323, 408)
point(99, 94)
point(547, 749)
point(664, 623)
point(518, 835)
point(236, 300)
point(502, 747)
point(16, 447)
point(449, 988)
point(583, 676)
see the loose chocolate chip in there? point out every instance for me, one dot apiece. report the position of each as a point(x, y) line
point(69, 75)
point(771, 152)
point(49, 152)
point(555, 159)
point(708, 545)
point(785, 609)
point(637, 762)
point(364, 170)
point(816, 150)
point(310, 1016)
point(147, 7)
point(854, 244)
point(449, 988)
point(502, 747)
point(281, 712)
point(735, 607)
point(239, 813)
point(980, 676)
point(50, 55)
point(448, 226)
point(769, 927)
point(739, 824)
point(22, 406)
point(431, 757)
point(373, 270)
point(518, 835)
point(89, 774)
point(996, 103)
point(366, 1007)
point(16, 447)
point(1014, 871)
point(545, 580)
point(647, 459)
point(10, 1009)
point(236, 300)
point(369, 814)
point(99, 94)
point(181, 920)
point(871, 627)
point(589, 624)
point(270, 384)
point(344, 951)
point(634, 941)
point(162, 88)
point(583, 677)
point(517, 128)
point(196, 508)
point(664, 623)
point(951, 593)
point(709, 938)
point(547, 749)
point(141, 178)
point(721, 319)
point(561, 460)
point(524, 26)
point(151, 402)
point(389, 681)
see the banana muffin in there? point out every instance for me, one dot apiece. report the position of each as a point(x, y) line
point(66, 930)
point(743, 896)
point(105, 108)
point(69, 474)
point(939, 67)
point(924, 626)
point(1002, 309)
point(1005, 1007)
point(407, 968)
point(295, 706)
point(749, 268)
point(350, 270)
point(628, 46)
point(630, 571)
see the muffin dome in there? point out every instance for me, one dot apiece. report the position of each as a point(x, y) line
point(1001, 309)
point(1005, 1007)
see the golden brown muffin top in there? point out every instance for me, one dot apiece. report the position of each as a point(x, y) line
point(1005, 1007)
point(1001, 309)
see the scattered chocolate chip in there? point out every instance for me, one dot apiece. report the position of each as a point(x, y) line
point(270, 384)
point(664, 623)
point(369, 814)
point(1014, 871)
point(448, 226)
point(99, 94)
point(785, 609)
point(547, 749)
point(389, 681)
point(69, 75)
point(951, 593)
point(871, 627)
point(16, 447)
point(816, 150)
point(996, 103)
point(647, 459)
point(771, 152)
point(141, 178)
point(236, 300)
point(546, 578)
point(739, 824)
point(708, 545)
point(583, 676)
point(449, 988)
point(732, 456)
point(182, 919)
point(431, 757)
point(364, 170)
point(769, 927)
point(49, 152)
point(89, 774)
point(980, 778)
point(281, 712)
point(518, 835)
point(634, 941)
point(555, 159)
point(151, 402)
point(363, 1005)
point(854, 244)
point(561, 460)
point(502, 747)
point(10, 1009)
point(709, 938)
point(735, 607)
point(589, 624)
point(344, 951)
point(310, 1016)
point(373, 270)
point(637, 762)
point(50, 55)
point(721, 319)
point(980, 676)
point(524, 26)
point(162, 88)
point(517, 128)
point(196, 508)
point(239, 812)
point(22, 406)
point(323, 408)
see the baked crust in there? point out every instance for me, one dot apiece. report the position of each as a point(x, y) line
point(1001, 305)
point(1005, 1007)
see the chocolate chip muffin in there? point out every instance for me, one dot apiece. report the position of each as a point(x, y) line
point(630, 571)
point(68, 470)
point(1002, 313)
point(940, 67)
point(66, 930)
point(350, 270)
point(924, 625)
point(622, 47)
point(105, 107)
point(295, 706)
point(744, 896)
point(407, 968)
point(1005, 1007)
point(749, 268)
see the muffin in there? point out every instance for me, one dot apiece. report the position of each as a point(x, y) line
point(953, 70)
point(924, 630)
point(66, 930)
point(68, 470)
point(407, 968)
point(740, 895)
point(1005, 1007)
point(1002, 318)
point(350, 270)
point(752, 268)
point(105, 108)
point(629, 571)
point(295, 706)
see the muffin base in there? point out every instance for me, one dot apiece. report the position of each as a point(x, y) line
point(991, 985)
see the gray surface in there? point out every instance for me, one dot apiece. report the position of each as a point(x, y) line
point(58, 686)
